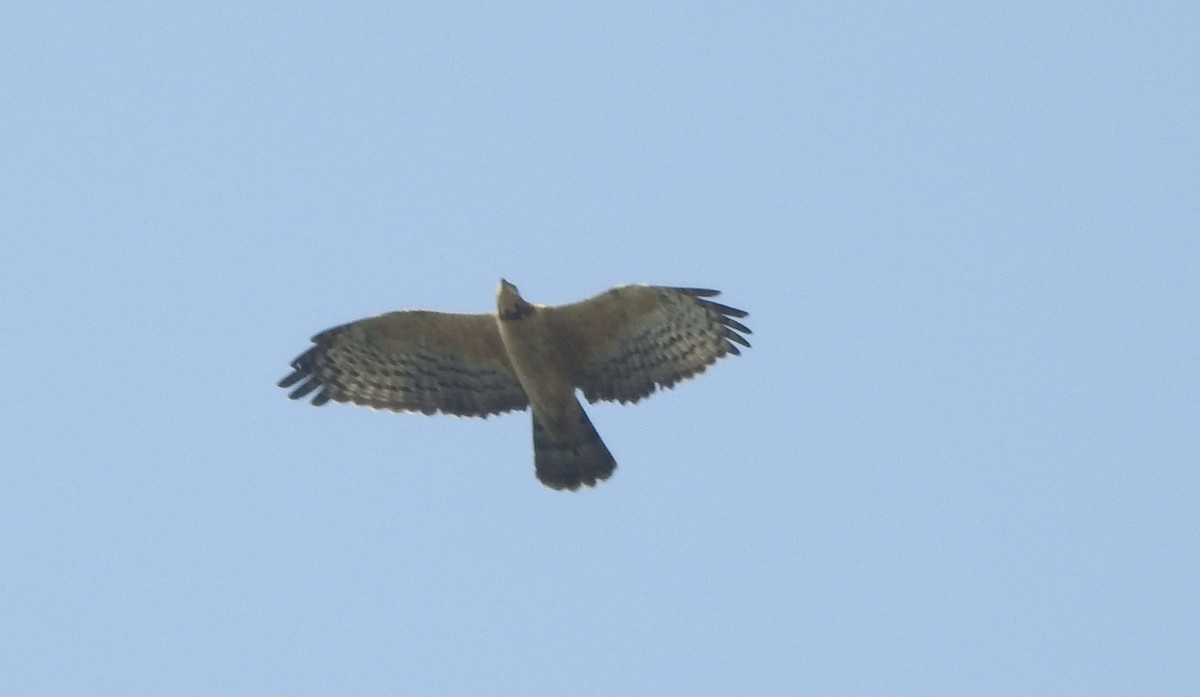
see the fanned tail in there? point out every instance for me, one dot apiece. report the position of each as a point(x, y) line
point(565, 461)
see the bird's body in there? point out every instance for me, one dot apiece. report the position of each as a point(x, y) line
point(540, 367)
point(620, 345)
point(566, 447)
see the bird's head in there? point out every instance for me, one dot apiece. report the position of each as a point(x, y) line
point(509, 303)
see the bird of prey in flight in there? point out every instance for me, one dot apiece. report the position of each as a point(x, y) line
point(620, 345)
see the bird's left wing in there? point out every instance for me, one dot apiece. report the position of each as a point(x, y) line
point(627, 342)
point(411, 361)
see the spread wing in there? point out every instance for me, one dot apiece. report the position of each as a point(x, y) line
point(411, 361)
point(627, 342)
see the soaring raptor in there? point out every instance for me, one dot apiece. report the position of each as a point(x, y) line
point(620, 345)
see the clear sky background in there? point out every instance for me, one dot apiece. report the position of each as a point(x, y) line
point(961, 458)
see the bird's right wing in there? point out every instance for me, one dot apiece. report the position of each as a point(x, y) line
point(411, 361)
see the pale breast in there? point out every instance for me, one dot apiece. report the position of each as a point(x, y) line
point(539, 362)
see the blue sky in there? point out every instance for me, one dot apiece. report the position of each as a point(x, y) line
point(961, 458)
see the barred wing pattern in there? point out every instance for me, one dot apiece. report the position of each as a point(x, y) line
point(628, 342)
point(411, 361)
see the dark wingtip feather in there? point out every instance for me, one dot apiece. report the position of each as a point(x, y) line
point(305, 388)
point(735, 325)
point(303, 379)
point(699, 292)
point(726, 310)
point(291, 379)
point(725, 315)
point(734, 336)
